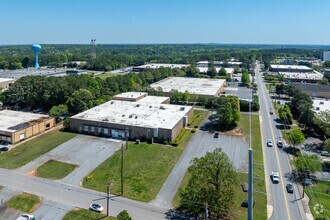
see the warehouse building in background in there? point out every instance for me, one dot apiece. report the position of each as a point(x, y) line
point(326, 56)
point(17, 126)
point(142, 117)
point(153, 66)
point(199, 86)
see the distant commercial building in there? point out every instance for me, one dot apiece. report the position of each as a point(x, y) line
point(141, 96)
point(321, 105)
point(312, 77)
point(230, 71)
point(72, 72)
point(17, 126)
point(156, 66)
point(133, 119)
point(314, 90)
point(6, 82)
point(327, 73)
point(289, 68)
point(199, 86)
point(219, 63)
point(326, 56)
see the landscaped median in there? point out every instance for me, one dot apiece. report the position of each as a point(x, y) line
point(260, 209)
point(24, 202)
point(146, 167)
point(28, 151)
point(53, 169)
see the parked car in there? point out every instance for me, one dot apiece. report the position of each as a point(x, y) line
point(289, 188)
point(216, 135)
point(271, 112)
point(269, 143)
point(26, 217)
point(275, 177)
point(279, 144)
point(96, 207)
point(3, 149)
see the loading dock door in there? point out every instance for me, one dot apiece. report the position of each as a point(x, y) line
point(22, 136)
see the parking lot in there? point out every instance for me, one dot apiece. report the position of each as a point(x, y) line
point(241, 92)
point(87, 152)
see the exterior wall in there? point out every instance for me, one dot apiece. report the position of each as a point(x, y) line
point(5, 85)
point(135, 132)
point(130, 99)
point(290, 70)
point(30, 131)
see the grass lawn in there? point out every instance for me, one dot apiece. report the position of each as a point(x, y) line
point(24, 202)
point(106, 75)
point(260, 210)
point(53, 169)
point(83, 214)
point(202, 115)
point(33, 148)
point(146, 167)
point(317, 195)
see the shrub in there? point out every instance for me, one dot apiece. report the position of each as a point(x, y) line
point(193, 130)
point(175, 143)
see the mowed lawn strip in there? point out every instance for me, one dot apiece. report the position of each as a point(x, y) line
point(24, 202)
point(319, 200)
point(33, 148)
point(54, 169)
point(146, 167)
point(83, 214)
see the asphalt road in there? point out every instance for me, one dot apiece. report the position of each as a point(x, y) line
point(202, 142)
point(285, 206)
point(76, 196)
point(50, 210)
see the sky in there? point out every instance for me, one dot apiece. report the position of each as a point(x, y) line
point(165, 21)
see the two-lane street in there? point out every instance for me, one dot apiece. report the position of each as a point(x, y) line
point(285, 206)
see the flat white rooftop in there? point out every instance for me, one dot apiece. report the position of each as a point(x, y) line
point(219, 62)
point(321, 105)
point(154, 99)
point(199, 86)
point(291, 67)
point(158, 65)
point(12, 121)
point(6, 80)
point(141, 114)
point(296, 75)
point(132, 95)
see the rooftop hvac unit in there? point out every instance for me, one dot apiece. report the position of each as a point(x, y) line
point(181, 108)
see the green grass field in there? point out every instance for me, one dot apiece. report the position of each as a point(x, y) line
point(146, 167)
point(260, 211)
point(202, 115)
point(24, 202)
point(53, 169)
point(106, 75)
point(33, 148)
point(317, 195)
point(84, 214)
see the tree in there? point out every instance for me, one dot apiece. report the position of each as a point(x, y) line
point(212, 72)
point(123, 215)
point(285, 115)
point(245, 77)
point(296, 137)
point(308, 164)
point(26, 62)
point(60, 110)
point(327, 145)
point(80, 100)
point(222, 72)
point(213, 183)
point(324, 81)
point(306, 117)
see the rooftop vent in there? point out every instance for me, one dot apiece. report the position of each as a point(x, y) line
point(162, 107)
point(181, 108)
point(135, 117)
point(111, 102)
point(123, 116)
point(131, 116)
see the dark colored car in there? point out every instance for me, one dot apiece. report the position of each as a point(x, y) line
point(3, 149)
point(280, 144)
point(216, 135)
point(289, 188)
point(271, 113)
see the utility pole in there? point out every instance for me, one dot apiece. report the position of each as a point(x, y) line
point(122, 170)
point(108, 196)
point(206, 212)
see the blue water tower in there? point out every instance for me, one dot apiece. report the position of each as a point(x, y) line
point(36, 49)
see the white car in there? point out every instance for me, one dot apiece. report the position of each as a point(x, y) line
point(26, 217)
point(269, 143)
point(275, 177)
point(96, 207)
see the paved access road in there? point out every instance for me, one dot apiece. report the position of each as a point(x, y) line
point(285, 206)
point(76, 196)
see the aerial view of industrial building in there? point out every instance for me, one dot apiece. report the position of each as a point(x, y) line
point(17, 126)
point(199, 86)
point(134, 119)
point(157, 65)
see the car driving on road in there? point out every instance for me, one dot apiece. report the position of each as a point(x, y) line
point(279, 144)
point(269, 143)
point(289, 188)
point(96, 207)
point(275, 177)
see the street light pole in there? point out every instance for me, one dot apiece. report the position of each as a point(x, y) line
point(108, 196)
point(122, 169)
